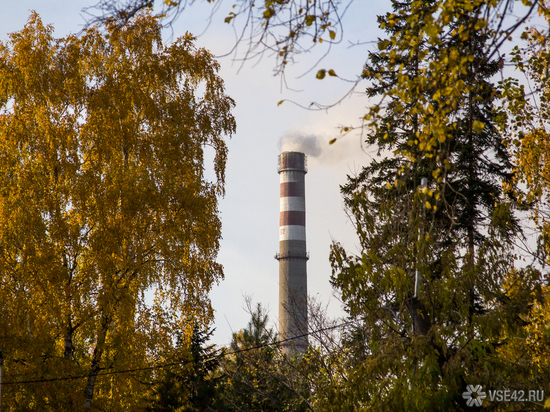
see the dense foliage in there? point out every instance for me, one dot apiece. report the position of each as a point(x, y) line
point(441, 301)
point(103, 198)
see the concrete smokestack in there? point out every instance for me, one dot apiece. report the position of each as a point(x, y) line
point(292, 254)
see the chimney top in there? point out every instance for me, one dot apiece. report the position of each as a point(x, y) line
point(292, 161)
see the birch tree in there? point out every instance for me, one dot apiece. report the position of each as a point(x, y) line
point(109, 229)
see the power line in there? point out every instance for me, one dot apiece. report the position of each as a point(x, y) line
point(166, 365)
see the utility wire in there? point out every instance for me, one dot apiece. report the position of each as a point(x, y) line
point(166, 365)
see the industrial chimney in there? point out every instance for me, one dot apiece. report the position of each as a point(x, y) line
point(292, 254)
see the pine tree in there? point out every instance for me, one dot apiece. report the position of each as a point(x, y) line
point(202, 380)
point(452, 234)
point(193, 384)
point(259, 377)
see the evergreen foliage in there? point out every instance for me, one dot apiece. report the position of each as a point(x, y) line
point(455, 233)
point(259, 378)
point(193, 385)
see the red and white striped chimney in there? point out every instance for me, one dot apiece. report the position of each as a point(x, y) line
point(292, 254)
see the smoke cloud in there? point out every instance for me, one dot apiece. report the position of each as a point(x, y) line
point(311, 145)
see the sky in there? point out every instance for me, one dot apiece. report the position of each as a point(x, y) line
point(250, 208)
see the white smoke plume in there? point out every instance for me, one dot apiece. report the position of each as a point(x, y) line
point(311, 144)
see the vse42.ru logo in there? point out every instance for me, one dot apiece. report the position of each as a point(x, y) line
point(475, 395)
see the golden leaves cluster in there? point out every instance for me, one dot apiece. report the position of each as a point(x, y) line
point(103, 197)
point(430, 101)
point(527, 114)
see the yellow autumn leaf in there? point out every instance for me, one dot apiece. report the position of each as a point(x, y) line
point(478, 126)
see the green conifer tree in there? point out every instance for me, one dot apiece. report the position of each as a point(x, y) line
point(194, 383)
point(259, 377)
point(434, 286)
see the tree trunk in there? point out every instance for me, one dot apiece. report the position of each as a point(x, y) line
point(96, 359)
point(69, 347)
point(421, 321)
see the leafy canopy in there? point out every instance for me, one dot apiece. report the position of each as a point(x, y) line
point(434, 287)
point(109, 229)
